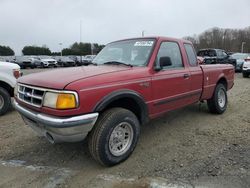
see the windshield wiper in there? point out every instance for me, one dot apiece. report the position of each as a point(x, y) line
point(117, 63)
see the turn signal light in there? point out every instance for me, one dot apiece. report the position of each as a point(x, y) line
point(66, 101)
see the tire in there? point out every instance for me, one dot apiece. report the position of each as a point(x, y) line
point(245, 75)
point(109, 124)
point(218, 103)
point(5, 101)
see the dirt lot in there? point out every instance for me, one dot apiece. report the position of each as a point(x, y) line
point(186, 148)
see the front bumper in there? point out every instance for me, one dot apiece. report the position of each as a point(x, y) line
point(58, 129)
point(246, 71)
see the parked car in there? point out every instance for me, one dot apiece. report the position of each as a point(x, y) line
point(216, 56)
point(35, 60)
point(64, 61)
point(88, 59)
point(24, 62)
point(9, 72)
point(240, 59)
point(48, 63)
point(133, 81)
point(246, 67)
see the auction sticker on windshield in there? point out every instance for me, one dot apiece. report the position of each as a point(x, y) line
point(144, 43)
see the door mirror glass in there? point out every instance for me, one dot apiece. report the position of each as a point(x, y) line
point(165, 61)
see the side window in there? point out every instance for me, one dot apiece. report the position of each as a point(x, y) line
point(171, 50)
point(224, 54)
point(191, 54)
point(219, 53)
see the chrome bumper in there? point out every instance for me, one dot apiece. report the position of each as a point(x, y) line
point(58, 129)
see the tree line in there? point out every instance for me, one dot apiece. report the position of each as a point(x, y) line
point(79, 49)
point(6, 51)
point(230, 40)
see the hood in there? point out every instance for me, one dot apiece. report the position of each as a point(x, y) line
point(59, 78)
point(7, 65)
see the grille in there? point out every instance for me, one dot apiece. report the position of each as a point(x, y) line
point(30, 95)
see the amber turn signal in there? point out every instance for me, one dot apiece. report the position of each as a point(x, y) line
point(66, 101)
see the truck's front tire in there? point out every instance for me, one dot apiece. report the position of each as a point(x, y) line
point(5, 101)
point(218, 103)
point(114, 136)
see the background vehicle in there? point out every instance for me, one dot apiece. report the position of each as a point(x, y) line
point(48, 62)
point(132, 81)
point(24, 62)
point(64, 61)
point(9, 72)
point(88, 59)
point(216, 56)
point(246, 67)
point(35, 60)
point(240, 59)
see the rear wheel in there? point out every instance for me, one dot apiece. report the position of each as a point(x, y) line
point(218, 103)
point(114, 136)
point(5, 101)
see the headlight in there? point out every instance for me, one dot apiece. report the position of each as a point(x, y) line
point(60, 100)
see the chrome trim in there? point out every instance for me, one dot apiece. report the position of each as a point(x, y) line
point(46, 90)
point(57, 122)
point(58, 129)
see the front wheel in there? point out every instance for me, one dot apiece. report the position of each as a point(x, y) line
point(218, 103)
point(5, 101)
point(114, 136)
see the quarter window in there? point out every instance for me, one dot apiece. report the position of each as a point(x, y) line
point(171, 50)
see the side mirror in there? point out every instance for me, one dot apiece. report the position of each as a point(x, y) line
point(163, 62)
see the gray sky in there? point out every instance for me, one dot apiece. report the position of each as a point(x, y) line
point(49, 22)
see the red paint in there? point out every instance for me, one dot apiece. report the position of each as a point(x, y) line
point(93, 83)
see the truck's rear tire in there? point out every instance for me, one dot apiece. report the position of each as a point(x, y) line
point(114, 136)
point(5, 101)
point(218, 103)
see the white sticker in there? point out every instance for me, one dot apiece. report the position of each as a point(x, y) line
point(144, 43)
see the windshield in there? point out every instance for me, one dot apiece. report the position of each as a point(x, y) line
point(133, 52)
point(239, 56)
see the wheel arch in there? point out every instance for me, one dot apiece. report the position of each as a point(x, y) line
point(127, 99)
point(8, 88)
point(223, 80)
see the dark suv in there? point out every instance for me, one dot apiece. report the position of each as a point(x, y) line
point(216, 56)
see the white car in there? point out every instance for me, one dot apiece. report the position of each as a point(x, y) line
point(9, 72)
point(246, 68)
point(48, 62)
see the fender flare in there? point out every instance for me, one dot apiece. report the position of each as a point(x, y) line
point(124, 93)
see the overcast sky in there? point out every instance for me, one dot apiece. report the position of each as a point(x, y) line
point(50, 22)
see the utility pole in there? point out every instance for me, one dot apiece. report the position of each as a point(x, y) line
point(61, 48)
point(242, 47)
point(142, 33)
point(80, 31)
point(80, 40)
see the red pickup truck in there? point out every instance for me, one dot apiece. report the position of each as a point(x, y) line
point(128, 83)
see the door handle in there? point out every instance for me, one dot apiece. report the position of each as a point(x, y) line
point(186, 76)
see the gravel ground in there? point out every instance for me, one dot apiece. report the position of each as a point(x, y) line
point(185, 148)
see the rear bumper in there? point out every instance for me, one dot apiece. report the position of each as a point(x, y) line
point(58, 129)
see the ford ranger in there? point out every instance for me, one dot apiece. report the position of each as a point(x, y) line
point(128, 83)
